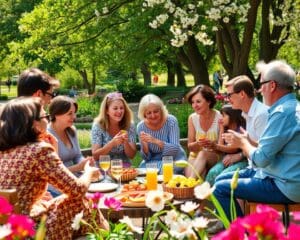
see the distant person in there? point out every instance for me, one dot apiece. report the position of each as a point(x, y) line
point(203, 125)
point(155, 79)
point(62, 110)
point(36, 83)
point(72, 92)
point(277, 155)
point(158, 133)
point(8, 84)
point(113, 131)
point(217, 81)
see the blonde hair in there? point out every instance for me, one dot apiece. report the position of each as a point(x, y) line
point(151, 99)
point(103, 120)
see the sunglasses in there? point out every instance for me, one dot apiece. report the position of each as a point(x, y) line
point(46, 116)
point(114, 95)
point(52, 95)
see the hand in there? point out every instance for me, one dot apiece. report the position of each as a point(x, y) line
point(91, 161)
point(228, 160)
point(124, 135)
point(118, 139)
point(234, 139)
point(147, 138)
point(92, 171)
point(47, 196)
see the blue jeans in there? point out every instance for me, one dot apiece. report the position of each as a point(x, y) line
point(249, 188)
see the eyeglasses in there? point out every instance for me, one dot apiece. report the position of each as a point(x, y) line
point(229, 95)
point(264, 82)
point(114, 95)
point(52, 95)
point(46, 116)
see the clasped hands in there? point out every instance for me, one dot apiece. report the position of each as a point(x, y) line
point(120, 138)
point(235, 139)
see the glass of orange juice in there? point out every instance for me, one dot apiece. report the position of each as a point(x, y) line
point(167, 168)
point(151, 176)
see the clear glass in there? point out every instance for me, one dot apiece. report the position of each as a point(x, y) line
point(167, 168)
point(151, 176)
point(116, 169)
point(104, 163)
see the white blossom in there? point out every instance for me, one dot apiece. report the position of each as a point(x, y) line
point(97, 13)
point(200, 223)
point(171, 217)
point(155, 200)
point(105, 10)
point(76, 221)
point(189, 206)
point(153, 24)
point(5, 230)
point(130, 225)
point(203, 191)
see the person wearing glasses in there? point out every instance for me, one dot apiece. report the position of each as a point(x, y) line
point(36, 83)
point(277, 156)
point(241, 95)
point(113, 131)
point(29, 165)
point(158, 133)
point(62, 110)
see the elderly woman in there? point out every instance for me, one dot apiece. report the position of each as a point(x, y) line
point(62, 110)
point(113, 132)
point(203, 125)
point(158, 132)
point(28, 164)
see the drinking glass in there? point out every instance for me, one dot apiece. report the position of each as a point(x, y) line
point(201, 136)
point(104, 163)
point(167, 168)
point(116, 169)
point(151, 176)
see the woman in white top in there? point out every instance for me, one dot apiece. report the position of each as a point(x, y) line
point(202, 124)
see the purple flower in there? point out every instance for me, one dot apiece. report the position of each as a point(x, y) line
point(22, 226)
point(112, 203)
point(5, 206)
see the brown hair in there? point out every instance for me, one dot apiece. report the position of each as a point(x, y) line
point(207, 93)
point(235, 116)
point(61, 105)
point(242, 83)
point(16, 122)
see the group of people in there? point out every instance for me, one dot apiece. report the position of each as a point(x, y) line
point(260, 138)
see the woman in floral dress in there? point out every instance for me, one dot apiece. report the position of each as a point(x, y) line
point(28, 164)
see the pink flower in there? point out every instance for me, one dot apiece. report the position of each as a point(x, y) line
point(94, 197)
point(5, 206)
point(21, 226)
point(272, 213)
point(112, 203)
point(296, 215)
point(293, 232)
point(235, 232)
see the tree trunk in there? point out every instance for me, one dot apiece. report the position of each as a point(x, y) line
point(171, 74)
point(180, 75)
point(84, 76)
point(234, 54)
point(146, 74)
point(93, 87)
point(270, 41)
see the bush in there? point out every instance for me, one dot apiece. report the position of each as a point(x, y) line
point(88, 106)
point(3, 97)
point(132, 90)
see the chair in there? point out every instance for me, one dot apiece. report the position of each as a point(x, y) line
point(285, 209)
point(11, 196)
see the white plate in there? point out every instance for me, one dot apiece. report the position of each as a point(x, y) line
point(141, 171)
point(103, 187)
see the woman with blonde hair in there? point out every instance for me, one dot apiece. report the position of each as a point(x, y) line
point(113, 132)
point(158, 132)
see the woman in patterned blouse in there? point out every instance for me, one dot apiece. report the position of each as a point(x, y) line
point(28, 164)
point(158, 132)
point(113, 131)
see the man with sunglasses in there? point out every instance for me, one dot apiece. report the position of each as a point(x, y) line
point(277, 156)
point(36, 83)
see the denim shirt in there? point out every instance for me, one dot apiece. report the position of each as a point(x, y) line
point(278, 152)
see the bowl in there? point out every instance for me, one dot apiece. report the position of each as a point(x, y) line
point(128, 174)
point(180, 192)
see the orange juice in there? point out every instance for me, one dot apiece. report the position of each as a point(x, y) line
point(151, 178)
point(167, 171)
point(104, 165)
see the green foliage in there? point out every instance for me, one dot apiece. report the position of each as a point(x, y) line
point(3, 97)
point(88, 106)
point(132, 90)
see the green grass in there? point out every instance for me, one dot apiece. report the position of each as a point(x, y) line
point(11, 94)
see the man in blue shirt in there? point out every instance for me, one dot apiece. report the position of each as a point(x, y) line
point(277, 156)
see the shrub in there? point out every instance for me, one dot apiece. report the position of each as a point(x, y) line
point(132, 90)
point(3, 97)
point(88, 106)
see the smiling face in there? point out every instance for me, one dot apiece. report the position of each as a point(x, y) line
point(153, 115)
point(115, 110)
point(200, 104)
point(67, 119)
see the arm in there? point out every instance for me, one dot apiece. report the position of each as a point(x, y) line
point(193, 145)
point(129, 143)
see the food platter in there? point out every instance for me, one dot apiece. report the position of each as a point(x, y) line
point(137, 198)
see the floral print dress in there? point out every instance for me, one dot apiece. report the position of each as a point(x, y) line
point(29, 169)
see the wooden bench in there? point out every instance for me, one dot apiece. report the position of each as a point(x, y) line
point(285, 209)
point(11, 196)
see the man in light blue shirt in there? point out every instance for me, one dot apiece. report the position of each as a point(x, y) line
point(277, 156)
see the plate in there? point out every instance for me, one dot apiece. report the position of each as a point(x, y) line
point(141, 171)
point(126, 202)
point(98, 180)
point(102, 187)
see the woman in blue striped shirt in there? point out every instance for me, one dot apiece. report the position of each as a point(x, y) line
point(158, 132)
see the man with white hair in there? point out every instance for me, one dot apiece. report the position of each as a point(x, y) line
point(277, 156)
